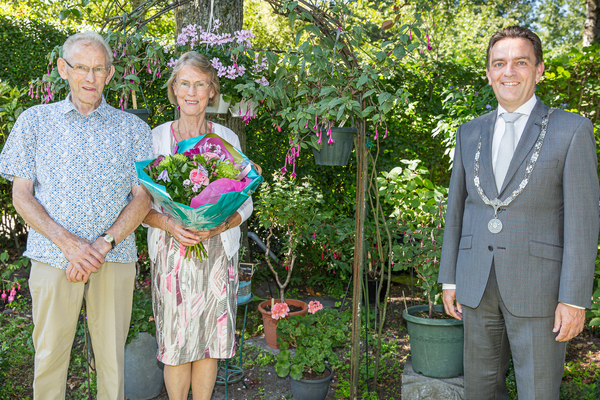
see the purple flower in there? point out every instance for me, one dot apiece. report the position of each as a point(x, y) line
point(196, 187)
point(187, 182)
point(157, 161)
point(164, 176)
point(489, 107)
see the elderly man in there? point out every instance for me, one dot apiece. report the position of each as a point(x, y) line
point(72, 164)
point(521, 231)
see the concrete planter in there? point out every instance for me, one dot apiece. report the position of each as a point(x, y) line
point(143, 372)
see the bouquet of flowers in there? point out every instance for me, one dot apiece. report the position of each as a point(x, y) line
point(201, 185)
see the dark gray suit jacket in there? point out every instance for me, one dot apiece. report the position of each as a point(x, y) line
point(547, 248)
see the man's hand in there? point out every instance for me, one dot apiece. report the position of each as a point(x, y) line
point(452, 307)
point(82, 255)
point(76, 273)
point(569, 321)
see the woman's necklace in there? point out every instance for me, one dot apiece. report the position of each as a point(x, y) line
point(180, 137)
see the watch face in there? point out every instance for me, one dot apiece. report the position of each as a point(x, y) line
point(109, 238)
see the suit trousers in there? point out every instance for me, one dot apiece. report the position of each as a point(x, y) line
point(56, 309)
point(492, 333)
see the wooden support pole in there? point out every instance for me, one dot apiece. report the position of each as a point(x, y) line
point(361, 175)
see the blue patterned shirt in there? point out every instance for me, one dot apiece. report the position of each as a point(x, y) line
point(82, 169)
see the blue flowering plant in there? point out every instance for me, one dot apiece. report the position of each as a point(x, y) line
point(231, 54)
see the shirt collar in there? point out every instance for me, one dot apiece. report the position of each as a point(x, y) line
point(67, 105)
point(525, 109)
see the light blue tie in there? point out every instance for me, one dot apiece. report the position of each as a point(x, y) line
point(506, 149)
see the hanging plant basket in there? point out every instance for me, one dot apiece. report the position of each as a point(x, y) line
point(221, 107)
point(337, 153)
point(143, 113)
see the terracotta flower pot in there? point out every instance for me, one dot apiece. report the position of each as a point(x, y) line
point(270, 324)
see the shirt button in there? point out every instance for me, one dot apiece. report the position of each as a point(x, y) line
point(490, 248)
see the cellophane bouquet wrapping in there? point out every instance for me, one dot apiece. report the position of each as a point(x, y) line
point(201, 185)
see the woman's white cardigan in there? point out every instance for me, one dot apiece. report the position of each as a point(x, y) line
point(163, 143)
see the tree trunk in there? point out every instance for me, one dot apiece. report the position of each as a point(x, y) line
point(231, 15)
point(591, 28)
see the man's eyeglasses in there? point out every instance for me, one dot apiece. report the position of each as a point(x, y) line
point(83, 70)
point(186, 86)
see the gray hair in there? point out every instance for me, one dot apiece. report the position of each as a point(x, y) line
point(89, 38)
point(200, 63)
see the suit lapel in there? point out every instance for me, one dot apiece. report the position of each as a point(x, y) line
point(528, 139)
point(486, 171)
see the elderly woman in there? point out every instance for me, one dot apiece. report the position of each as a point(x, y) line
point(194, 301)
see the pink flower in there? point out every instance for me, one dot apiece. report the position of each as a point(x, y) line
point(3, 295)
point(199, 177)
point(11, 299)
point(314, 306)
point(209, 156)
point(280, 310)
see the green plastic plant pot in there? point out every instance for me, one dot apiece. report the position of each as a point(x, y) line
point(436, 345)
point(339, 152)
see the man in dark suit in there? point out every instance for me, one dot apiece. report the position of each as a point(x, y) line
point(521, 232)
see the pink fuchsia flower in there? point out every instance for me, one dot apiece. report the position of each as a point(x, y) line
point(314, 306)
point(280, 310)
point(11, 299)
point(199, 177)
point(3, 295)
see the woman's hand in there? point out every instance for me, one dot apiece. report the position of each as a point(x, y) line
point(205, 235)
point(182, 235)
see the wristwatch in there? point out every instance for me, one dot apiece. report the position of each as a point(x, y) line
point(108, 238)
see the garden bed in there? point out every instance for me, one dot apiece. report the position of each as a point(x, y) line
point(581, 372)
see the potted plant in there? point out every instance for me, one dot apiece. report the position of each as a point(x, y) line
point(143, 371)
point(288, 207)
point(315, 338)
point(233, 58)
point(418, 206)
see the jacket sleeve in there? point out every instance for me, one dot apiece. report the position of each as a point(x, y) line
point(581, 221)
point(457, 194)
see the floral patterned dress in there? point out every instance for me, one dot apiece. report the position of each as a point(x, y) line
point(195, 302)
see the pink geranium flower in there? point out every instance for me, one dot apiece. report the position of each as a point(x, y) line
point(314, 306)
point(199, 177)
point(280, 310)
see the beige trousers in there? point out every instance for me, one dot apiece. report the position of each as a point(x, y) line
point(56, 308)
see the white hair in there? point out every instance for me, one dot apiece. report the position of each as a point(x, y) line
point(89, 37)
